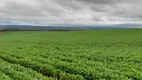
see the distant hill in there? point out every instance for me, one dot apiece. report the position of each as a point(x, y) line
point(66, 27)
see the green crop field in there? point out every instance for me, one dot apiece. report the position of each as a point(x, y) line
point(71, 55)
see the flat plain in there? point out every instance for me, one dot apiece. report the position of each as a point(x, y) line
point(71, 55)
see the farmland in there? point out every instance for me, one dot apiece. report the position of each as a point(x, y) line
point(71, 55)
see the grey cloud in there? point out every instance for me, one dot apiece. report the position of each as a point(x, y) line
point(112, 2)
point(71, 11)
point(72, 4)
point(21, 8)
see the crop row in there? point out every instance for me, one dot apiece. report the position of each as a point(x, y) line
point(16, 72)
point(58, 68)
point(4, 76)
point(44, 69)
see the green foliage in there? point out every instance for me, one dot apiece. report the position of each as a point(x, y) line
point(73, 55)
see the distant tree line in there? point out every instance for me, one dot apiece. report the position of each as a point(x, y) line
point(19, 29)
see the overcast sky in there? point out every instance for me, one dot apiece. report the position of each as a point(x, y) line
point(48, 12)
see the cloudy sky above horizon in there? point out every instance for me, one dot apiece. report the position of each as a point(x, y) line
point(47, 12)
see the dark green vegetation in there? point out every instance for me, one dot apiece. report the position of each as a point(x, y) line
point(75, 55)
